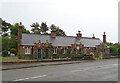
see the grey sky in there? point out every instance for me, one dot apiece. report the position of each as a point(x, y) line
point(88, 16)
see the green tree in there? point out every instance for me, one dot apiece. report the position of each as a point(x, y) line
point(119, 50)
point(44, 28)
point(53, 27)
point(113, 49)
point(35, 28)
point(59, 32)
point(7, 44)
point(5, 26)
point(1, 23)
point(14, 29)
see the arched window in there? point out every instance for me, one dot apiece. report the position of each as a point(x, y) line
point(64, 50)
point(85, 51)
point(105, 51)
point(55, 51)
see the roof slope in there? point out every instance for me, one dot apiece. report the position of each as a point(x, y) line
point(30, 39)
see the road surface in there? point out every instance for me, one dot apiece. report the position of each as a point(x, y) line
point(101, 70)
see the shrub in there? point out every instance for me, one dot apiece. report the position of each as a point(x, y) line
point(13, 50)
point(113, 49)
point(119, 50)
point(5, 53)
point(27, 57)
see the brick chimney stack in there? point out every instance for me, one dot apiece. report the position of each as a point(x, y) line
point(104, 38)
point(19, 37)
point(79, 35)
point(93, 36)
point(20, 32)
point(53, 33)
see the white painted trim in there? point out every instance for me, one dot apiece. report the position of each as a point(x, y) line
point(55, 51)
point(27, 50)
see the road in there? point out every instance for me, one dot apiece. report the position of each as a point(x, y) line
point(101, 70)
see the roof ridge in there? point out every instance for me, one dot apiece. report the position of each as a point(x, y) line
point(61, 36)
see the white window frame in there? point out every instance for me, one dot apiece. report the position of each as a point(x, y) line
point(41, 51)
point(64, 50)
point(27, 50)
point(85, 51)
point(105, 51)
point(55, 51)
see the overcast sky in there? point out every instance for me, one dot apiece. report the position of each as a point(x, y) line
point(88, 16)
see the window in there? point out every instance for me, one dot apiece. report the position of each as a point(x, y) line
point(27, 50)
point(64, 50)
point(95, 48)
point(80, 51)
point(85, 51)
point(55, 51)
point(78, 47)
point(105, 51)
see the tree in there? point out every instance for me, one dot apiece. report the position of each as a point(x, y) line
point(119, 50)
point(35, 28)
point(7, 44)
point(14, 29)
point(44, 28)
point(53, 27)
point(5, 26)
point(59, 32)
point(114, 49)
point(1, 24)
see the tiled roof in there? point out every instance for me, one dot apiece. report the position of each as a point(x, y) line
point(30, 39)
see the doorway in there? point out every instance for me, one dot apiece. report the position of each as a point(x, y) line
point(39, 54)
point(47, 53)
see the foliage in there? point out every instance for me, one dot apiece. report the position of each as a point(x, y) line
point(28, 57)
point(5, 26)
point(0, 44)
point(119, 50)
point(44, 27)
point(51, 46)
point(4, 53)
point(88, 57)
point(113, 49)
point(13, 50)
point(9, 43)
point(68, 51)
point(14, 29)
point(107, 43)
point(59, 32)
point(35, 28)
point(53, 27)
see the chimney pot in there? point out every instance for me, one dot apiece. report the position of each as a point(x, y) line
point(104, 37)
point(53, 33)
point(79, 35)
point(93, 36)
point(20, 24)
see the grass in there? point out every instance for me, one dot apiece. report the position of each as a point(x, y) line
point(11, 59)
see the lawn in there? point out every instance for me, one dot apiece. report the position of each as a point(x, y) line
point(11, 59)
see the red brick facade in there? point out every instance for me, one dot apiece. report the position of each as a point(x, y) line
point(44, 49)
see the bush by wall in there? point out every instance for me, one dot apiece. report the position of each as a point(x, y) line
point(13, 50)
point(4, 53)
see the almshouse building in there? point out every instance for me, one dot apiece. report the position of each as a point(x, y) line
point(43, 46)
